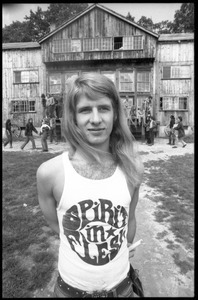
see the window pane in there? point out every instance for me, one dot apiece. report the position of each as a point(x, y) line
point(25, 76)
point(17, 77)
point(34, 76)
point(166, 72)
point(137, 42)
point(31, 105)
point(126, 82)
point(182, 103)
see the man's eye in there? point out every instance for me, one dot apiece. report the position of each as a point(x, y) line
point(84, 110)
point(105, 108)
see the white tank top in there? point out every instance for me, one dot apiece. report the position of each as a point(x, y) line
point(93, 221)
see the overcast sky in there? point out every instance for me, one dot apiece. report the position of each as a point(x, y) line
point(156, 11)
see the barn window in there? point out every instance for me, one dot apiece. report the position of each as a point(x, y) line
point(143, 81)
point(97, 44)
point(126, 81)
point(170, 72)
point(30, 76)
point(55, 83)
point(174, 103)
point(19, 106)
point(118, 42)
point(137, 42)
point(67, 45)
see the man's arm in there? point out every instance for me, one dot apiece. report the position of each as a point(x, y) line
point(46, 199)
point(132, 219)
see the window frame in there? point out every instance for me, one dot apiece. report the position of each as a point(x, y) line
point(15, 72)
point(57, 84)
point(25, 103)
point(174, 106)
point(170, 70)
point(133, 82)
point(144, 82)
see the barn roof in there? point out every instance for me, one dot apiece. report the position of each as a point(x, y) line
point(176, 37)
point(89, 9)
point(25, 45)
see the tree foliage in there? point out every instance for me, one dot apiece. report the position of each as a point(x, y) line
point(130, 18)
point(37, 24)
point(184, 18)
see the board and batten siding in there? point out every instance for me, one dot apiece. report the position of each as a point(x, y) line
point(98, 24)
point(22, 60)
point(177, 53)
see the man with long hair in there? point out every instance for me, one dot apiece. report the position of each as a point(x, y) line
point(89, 193)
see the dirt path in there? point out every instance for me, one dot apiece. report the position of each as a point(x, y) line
point(160, 275)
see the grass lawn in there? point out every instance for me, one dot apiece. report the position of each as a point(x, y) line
point(28, 261)
point(174, 180)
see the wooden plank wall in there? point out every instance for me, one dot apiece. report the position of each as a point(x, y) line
point(175, 54)
point(98, 23)
point(22, 60)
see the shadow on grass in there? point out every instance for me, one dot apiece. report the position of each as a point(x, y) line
point(28, 259)
point(174, 180)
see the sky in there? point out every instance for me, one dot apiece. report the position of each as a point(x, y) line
point(156, 11)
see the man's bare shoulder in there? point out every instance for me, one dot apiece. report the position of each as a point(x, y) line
point(50, 168)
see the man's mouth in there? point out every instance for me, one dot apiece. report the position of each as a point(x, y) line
point(95, 129)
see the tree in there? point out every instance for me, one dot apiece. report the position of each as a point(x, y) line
point(146, 22)
point(163, 27)
point(37, 24)
point(130, 18)
point(184, 18)
point(59, 13)
point(16, 32)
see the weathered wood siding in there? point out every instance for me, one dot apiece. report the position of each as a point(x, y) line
point(175, 54)
point(98, 24)
point(22, 60)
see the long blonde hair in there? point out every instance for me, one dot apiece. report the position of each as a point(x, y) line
point(122, 142)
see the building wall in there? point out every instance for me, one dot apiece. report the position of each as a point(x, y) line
point(19, 60)
point(96, 24)
point(176, 56)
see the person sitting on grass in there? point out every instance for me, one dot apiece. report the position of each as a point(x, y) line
point(89, 194)
point(181, 133)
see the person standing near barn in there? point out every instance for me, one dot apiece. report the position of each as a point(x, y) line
point(8, 131)
point(28, 133)
point(45, 129)
point(89, 193)
point(52, 131)
point(172, 136)
point(181, 133)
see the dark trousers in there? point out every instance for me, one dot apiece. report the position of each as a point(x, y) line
point(53, 135)
point(151, 136)
point(44, 140)
point(29, 138)
point(9, 139)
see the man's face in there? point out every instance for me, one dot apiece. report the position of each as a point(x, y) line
point(95, 120)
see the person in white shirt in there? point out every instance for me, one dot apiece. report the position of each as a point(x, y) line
point(89, 193)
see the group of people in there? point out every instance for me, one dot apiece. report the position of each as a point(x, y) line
point(48, 129)
point(173, 127)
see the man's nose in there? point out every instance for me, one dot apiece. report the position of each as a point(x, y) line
point(95, 116)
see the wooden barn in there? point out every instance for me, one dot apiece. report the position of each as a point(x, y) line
point(175, 78)
point(22, 82)
point(137, 60)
